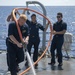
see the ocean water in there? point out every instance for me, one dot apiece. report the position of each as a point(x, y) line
point(68, 17)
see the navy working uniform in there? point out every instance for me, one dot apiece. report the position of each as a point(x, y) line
point(57, 41)
point(34, 38)
point(15, 54)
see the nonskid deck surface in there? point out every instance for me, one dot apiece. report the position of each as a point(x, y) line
point(43, 67)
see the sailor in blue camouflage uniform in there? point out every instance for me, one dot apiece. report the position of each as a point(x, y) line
point(59, 29)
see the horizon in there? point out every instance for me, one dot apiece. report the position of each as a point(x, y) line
point(44, 2)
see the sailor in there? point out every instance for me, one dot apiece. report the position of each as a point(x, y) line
point(14, 44)
point(10, 19)
point(59, 29)
point(34, 38)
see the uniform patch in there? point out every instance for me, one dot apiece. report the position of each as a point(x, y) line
point(23, 31)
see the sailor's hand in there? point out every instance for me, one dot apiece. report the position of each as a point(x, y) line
point(26, 41)
point(19, 45)
point(16, 9)
point(53, 32)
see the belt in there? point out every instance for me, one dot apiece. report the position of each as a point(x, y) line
point(58, 36)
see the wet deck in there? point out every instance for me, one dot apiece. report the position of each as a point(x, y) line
point(43, 67)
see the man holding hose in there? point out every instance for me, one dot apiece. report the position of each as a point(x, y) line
point(14, 44)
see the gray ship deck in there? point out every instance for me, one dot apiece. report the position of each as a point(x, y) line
point(43, 67)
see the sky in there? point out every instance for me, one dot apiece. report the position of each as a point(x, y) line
point(44, 2)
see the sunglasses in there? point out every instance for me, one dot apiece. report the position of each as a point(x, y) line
point(58, 16)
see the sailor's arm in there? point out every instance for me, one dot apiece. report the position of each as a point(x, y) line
point(26, 40)
point(15, 41)
point(61, 32)
point(11, 35)
point(8, 18)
